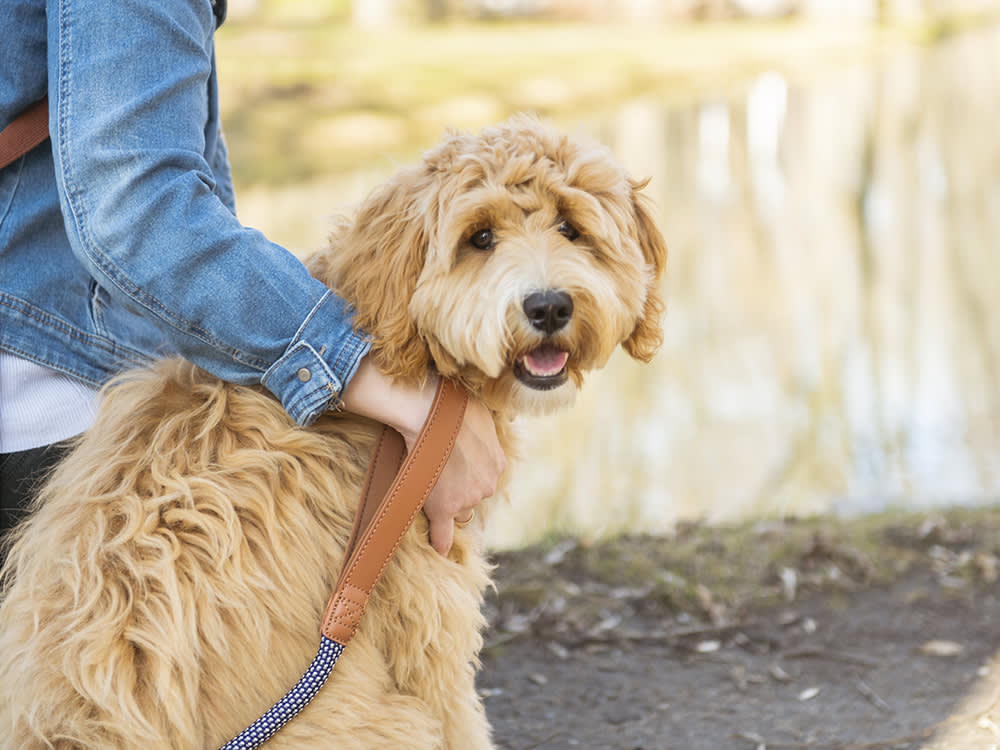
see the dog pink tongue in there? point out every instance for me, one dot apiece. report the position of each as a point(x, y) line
point(545, 361)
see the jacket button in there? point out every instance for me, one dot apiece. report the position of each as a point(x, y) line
point(304, 375)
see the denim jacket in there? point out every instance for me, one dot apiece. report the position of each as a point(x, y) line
point(119, 241)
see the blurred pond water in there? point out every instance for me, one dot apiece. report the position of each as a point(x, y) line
point(831, 343)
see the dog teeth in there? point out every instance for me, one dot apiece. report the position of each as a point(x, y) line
point(545, 362)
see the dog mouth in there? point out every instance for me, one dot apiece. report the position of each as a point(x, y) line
point(542, 368)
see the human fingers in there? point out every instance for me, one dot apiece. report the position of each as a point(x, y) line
point(442, 534)
point(471, 474)
point(479, 454)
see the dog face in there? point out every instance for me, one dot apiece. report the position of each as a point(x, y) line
point(513, 261)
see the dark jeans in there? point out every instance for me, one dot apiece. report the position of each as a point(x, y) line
point(21, 474)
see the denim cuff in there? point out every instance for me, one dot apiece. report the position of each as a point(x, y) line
point(319, 363)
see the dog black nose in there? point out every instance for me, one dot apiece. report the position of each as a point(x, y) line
point(549, 310)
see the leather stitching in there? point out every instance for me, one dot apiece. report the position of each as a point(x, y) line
point(349, 600)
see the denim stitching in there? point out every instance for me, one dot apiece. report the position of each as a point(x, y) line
point(48, 321)
point(79, 211)
point(13, 190)
point(58, 368)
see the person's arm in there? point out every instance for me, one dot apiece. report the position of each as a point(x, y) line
point(131, 98)
point(129, 90)
point(476, 462)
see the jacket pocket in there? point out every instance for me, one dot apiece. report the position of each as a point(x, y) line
point(126, 328)
point(9, 178)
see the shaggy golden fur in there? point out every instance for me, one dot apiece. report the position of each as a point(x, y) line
point(169, 586)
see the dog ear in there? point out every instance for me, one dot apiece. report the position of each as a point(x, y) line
point(647, 336)
point(373, 263)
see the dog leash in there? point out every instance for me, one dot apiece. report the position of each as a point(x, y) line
point(31, 127)
point(393, 493)
point(379, 526)
point(24, 133)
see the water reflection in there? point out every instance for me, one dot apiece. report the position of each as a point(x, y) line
point(830, 342)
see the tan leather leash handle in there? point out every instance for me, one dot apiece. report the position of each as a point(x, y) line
point(379, 526)
point(29, 129)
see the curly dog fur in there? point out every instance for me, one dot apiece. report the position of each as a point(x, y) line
point(168, 587)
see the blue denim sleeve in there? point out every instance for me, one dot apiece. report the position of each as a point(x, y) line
point(131, 90)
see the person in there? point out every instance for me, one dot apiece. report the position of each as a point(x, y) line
point(119, 243)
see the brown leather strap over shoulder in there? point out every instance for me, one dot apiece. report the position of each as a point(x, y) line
point(403, 487)
point(23, 134)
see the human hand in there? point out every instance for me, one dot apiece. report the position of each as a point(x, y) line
point(477, 460)
point(471, 475)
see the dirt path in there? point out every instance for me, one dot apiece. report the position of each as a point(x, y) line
point(881, 633)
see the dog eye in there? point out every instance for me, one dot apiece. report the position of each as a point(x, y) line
point(568, 231)
point(483, 239)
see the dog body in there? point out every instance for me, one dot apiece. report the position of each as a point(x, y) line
point(169, 586)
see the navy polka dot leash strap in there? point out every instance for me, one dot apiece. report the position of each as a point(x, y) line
point(395, 489)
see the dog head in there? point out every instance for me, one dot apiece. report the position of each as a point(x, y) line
point(513, 261)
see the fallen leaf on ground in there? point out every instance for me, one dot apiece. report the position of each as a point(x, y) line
point(942, 648)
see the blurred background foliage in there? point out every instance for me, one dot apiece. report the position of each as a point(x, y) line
point(827, 174)
point(360, 79)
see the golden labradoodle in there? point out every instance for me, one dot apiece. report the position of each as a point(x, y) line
point(170, 585)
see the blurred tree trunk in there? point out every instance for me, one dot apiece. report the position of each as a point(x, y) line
point(714, 9)
point(436, 10)
point(377, 14)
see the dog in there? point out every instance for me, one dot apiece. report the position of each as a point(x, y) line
point(169, 586)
